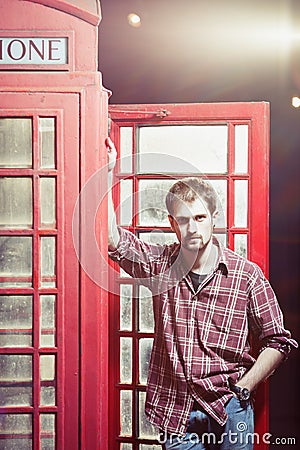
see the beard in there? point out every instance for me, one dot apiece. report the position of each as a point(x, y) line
point(193, 243)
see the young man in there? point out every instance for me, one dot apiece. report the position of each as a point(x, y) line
point(207, 301)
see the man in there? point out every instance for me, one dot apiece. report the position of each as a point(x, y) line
point(207, 301)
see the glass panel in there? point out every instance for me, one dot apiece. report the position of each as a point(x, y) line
point(126, 149)
point(125, 206)
point(220, 186)
point(206, 151)
point(15, 380)
point(13, 426)
point(222, 238)
point(146, 430)
point(47, 318)
point(125, 446)
point(146, 319)
point(15, 142)
point(15, 261)
point(47, 425)
point(144, 358)
point(149, 447)
point(240, 244)
point(48, 202)
point(240, 203)
point(47, 142)
point(16, 202)
point(125, 307)
point(124, 274)
point(126, 413)
point(158, 237)
point(48, 261)
point(126, 360)
point(15, 321)
point(241, 149)
point(152, 195)
point(47, 377)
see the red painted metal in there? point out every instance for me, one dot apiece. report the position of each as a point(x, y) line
point(256, 116)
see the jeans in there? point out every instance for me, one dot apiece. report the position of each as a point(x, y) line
point(204, 433)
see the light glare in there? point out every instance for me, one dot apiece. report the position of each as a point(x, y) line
point(296, 102)
point(134, 20)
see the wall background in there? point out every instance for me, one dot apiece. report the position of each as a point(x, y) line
point(214, 51)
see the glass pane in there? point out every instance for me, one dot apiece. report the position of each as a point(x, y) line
point(144, 358)
point(240, 203)
point(126, 149)
point(152, 195)
point(15, 202)
point(240, 244)
point(15, 142)
point(15, 321)
point(13, 426)
point(146, 319)
point(126, 360)
point(168, 151)
point(149, 447)
point(47, 377)
point(241, 149)
point(146, 430)
point(47, 318)
point(126, 197)
point(126, 413)
point(48, 202)
point(125, 307)
point(15, 261)
point(158, 237)
point(15, 380)
point(126, 446)
point(48, 261)
point(47, 142)
point(222, 238)
point(47, 425)
point(220, 186)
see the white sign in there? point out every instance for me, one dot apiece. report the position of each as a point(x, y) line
point(33, 51)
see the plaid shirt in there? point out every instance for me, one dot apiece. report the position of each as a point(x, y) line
point(201, 338)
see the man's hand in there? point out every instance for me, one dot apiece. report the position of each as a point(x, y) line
point(112, 154)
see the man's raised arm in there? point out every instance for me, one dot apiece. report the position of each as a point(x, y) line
point(113, 233)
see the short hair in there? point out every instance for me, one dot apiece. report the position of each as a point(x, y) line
point(190, 189)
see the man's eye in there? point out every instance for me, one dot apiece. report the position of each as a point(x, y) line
point(200, 218)
point(181, 220)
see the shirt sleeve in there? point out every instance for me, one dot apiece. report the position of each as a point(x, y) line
point(138, 258)
point(266, 318)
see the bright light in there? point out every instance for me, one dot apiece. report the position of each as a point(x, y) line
point(296, 102)
point(134, 20)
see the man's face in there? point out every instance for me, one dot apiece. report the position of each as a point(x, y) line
point(193, 224)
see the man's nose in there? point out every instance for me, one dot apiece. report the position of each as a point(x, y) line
point(192, 225)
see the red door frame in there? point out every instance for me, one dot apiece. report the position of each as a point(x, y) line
point(257, 116)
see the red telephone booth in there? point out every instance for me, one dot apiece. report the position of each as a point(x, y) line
point(53, 121)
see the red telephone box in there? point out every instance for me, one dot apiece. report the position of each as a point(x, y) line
point(53, 122)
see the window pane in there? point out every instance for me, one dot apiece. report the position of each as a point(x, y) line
point(15, 380)
point(126, 197)
point(149, 447)
point(158, 237)
point(126, 413)
point(48, 261)
point(16, 202)
point(15, 425)
point(146, 319)
point(47, 317)
point(146, 430)
point(152, 209)
point(125, 307)
point(15, 261)
point(47, 142)
point(220, 186)
point(47, 378)
point(240, 203)
point(126, 360)
point(15, 321)
point(206, 151)
point(48, 202)
point(241, 148)
point(240, 244)
point(126, 149)
point(144, 358)
point(15, 142)
point(222, 238)
point(126, 446)
point(47, 424)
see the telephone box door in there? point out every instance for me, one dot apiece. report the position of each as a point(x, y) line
point(228, 144)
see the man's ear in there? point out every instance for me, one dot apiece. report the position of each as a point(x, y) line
point(172, 221)
point(214, 217)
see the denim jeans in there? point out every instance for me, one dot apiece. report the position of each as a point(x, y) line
point(204, 433)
